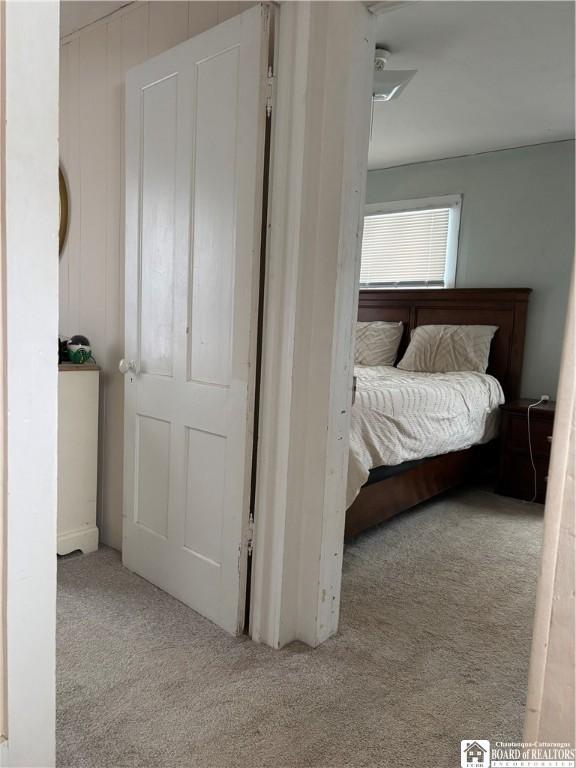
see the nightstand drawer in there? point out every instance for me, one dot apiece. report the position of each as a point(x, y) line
point(540, 432)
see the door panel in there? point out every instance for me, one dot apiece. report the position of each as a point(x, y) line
point(158, 158)
point(214, 214)
point(204, 494)
point(153, 468)
point(195, 120)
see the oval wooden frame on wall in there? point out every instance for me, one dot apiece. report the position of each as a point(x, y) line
point(63, 229)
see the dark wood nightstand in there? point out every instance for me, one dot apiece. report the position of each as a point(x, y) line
point(516, 476)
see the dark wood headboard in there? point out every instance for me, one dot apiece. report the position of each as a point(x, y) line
point(504, 307)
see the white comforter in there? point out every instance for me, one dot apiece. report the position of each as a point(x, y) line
point(399, 416)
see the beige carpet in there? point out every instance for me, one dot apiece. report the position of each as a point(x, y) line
point(434, 646)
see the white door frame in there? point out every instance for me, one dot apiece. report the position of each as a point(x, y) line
point(318, 180)
point(29, 445)
point(551, 701)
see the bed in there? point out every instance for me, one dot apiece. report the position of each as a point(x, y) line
point(407, 477)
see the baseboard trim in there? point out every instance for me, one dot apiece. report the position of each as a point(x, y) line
point(86, 540)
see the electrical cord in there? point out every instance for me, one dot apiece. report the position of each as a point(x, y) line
point(533, 405)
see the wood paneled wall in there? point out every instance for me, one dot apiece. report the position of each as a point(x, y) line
point(94, 62)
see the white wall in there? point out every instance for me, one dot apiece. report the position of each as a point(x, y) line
point(93, 65)
point(516, 230)
point(31, 179)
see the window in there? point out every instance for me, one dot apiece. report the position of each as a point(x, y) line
point(411, 244)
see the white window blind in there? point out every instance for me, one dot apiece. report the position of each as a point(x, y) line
point(406, 248)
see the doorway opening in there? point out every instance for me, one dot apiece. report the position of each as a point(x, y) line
point(463, 290)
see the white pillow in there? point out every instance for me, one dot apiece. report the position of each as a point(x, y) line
point(447, 348)
point(377, 342)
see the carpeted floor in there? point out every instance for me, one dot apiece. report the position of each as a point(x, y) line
point(434, 644)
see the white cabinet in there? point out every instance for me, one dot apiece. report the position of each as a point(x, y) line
point(77, 457)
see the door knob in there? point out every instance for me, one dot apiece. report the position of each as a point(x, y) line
point(126, 365)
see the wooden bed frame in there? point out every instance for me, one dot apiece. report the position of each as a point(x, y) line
point(504, 307)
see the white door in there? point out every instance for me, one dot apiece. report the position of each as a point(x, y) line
point(195, 124)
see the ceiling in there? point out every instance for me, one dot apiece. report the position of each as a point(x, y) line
point(491, 75)
point(75, 14)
